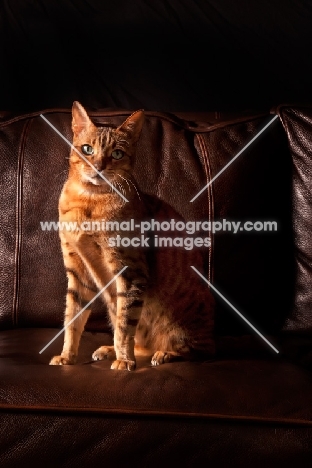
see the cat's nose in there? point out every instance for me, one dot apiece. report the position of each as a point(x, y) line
point(99, 165)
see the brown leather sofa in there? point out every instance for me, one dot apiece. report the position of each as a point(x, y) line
point(249, 406)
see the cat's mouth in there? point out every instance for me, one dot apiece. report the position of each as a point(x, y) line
point(97, 178)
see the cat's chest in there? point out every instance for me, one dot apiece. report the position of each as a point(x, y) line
point(77, 206)
point(100, 215)
point(84, 212)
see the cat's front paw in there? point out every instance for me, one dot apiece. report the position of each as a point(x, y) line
point(123, 365)
point(104, 352)
point(62, 361)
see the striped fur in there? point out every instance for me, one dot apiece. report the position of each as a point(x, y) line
point(158, 305)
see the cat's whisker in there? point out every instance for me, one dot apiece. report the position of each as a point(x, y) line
point(112, 186)
point(125, 180)
point(122, 190)
point(135, 188)
point(114, 183)
point(119, 186)
point(131, 182)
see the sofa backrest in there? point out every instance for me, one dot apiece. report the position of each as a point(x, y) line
point(297, 121)
point(175, 159)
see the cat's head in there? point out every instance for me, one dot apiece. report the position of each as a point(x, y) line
point(105, 150)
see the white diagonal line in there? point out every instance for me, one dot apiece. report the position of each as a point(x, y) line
point(232, 160)
point(82, 310)
point(83, 157)
point(235, 310)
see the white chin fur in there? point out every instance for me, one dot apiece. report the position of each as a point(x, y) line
point(94, 180)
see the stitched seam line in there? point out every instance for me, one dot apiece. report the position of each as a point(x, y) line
point(207, 166)
point(138, 412)
point(18, 221)
point(170, 117)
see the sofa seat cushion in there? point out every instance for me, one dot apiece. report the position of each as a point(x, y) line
point(264, 389)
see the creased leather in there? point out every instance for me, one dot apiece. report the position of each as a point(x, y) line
point(298, 125)
point(147, 442)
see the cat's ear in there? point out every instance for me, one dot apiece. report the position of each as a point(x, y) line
point(133, 126)
point(80, 118)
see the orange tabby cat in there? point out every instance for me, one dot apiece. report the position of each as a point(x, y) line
point(158, 305)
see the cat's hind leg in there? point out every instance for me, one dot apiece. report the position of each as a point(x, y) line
point(170, 344)
point(104, 352)
point(163, 357)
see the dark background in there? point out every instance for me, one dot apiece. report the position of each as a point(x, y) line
point(179, 55)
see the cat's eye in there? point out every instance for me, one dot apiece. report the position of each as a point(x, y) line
point(87, 149)
point(117, 154)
